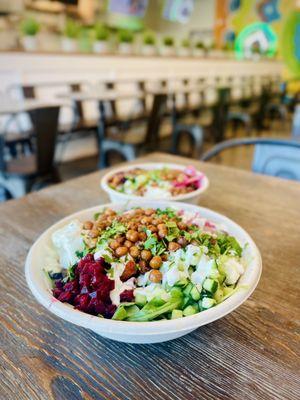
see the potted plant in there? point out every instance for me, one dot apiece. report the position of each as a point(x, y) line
point(199, 49)
point(185, 49)
point(168, 46)
point(70, 35)
point(228, 50)
point(149, 42)
point(100, 44)
point(214, 52)
point(125, 42)
point(30, 28)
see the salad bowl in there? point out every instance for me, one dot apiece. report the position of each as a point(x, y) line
point(150, 331)
point(157, 193)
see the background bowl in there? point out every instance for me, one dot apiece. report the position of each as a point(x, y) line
point(141, 332)
point(116, 197)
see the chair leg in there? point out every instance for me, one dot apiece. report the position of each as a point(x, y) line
point(195, 133)
point(129, 152)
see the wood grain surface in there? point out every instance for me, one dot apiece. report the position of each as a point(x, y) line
point(253, 353)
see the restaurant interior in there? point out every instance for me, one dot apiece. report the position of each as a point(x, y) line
point(149, 199)
point(87, 84)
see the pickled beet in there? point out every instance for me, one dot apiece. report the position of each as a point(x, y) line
point(89, 291)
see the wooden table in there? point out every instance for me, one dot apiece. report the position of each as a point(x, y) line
point(252, 353)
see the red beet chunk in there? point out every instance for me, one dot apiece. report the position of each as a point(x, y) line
point(127, 295)
point(89, 291)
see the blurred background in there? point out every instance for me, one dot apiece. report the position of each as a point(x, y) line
point(86, 84)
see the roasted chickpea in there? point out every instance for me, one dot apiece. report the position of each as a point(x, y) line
point(132, 235)
point(155, 262)
point(143, 266)
point(162, 233)
point(161, 227)
point(121, 251)
point(88, 225)
point(120, 239)
point(152, 228)
point(142, 236)
point(146, 220)
point(134, 252)
point(93, 233)
point(149, 211)
point(146, 255)
point(173, 246)
point(155, 276)
point(182, 226)
point(128, 244)
point(114, 244)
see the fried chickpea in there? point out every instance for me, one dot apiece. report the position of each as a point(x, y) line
point(182, 226)
point(173, 246)
point(120, 239)
point(132, 235)
point(152, 228)
point(155, 262)
point(162, 233)
point(155, 276)
point(88, 225)
point(114, 244)
point(121, 251)
point(134, 252)
point(146, 255)
point(161, 227)
point(146, 220)
point(142, 236)
point(93, 233)
point(149, 211)
point(128, 244)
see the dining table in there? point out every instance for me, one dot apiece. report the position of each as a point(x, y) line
point(251, 353)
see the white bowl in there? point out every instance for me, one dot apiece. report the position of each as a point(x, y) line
point(141, 332)
point(117, 197)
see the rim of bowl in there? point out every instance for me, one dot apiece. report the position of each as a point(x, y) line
point(129, 328)
point(180, 197)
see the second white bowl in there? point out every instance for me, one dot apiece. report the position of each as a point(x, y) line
point(116, 197)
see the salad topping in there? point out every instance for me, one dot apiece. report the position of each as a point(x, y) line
point(157, 183)
point(145, 264)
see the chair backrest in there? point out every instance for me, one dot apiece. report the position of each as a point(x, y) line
point(220, 113)
point(45, 122)
point(75, 88)
point(157, 112)
point(275, 157)
point(296, 123)
point(277, 160)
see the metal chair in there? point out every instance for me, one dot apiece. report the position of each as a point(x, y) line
point(35, 170)
point(129, 143)
point(275, 157)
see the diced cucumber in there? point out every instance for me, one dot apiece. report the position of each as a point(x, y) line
point(186, 301)
point(140, 299)
point(120, 314)
point(189, 310)
point(195, 294)
point(187, 289)
point(176, 292)
point(207, 302)
point(210, 285)
point(176, 314)
point(131, 310)
point(182, 282)
point(218, 296)
point(157, 301)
